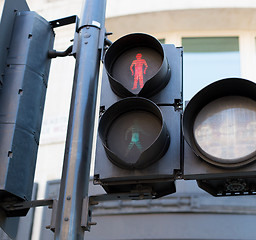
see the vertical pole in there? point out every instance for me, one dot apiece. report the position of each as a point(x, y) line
point(77, 158)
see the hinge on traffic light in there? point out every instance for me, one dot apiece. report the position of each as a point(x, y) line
point(178, 173)
point(178, 106)
point(102, 110)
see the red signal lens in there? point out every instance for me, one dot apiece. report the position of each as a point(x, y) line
point(137, 66)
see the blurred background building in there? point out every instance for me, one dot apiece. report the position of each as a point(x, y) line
point(219, 39)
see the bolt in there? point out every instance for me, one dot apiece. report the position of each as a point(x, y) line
point(87, 35)
point(66, 219)
point(68, 197)
point(92, 223)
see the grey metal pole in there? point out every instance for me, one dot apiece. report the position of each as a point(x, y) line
point(77, 158)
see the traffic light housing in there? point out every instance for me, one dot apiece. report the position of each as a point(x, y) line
point(138, 144)
point(219, 126)
point(22, 98)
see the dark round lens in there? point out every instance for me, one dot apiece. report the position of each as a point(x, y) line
point(132, 133)
point(225, 129)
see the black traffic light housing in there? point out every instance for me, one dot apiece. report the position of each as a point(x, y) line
point(22, 98)
point(132, 167)
point(220, 165)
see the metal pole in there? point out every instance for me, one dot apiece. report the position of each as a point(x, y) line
point(77, 158)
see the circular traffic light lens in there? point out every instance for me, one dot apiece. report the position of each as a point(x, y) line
point(133, 133)
point(134, 67)
point(137, 130)
point(225, 130)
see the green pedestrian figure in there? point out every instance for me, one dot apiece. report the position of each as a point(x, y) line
point(135, 137)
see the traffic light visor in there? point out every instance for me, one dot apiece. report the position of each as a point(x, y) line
point(137, 66)
point(219, 123)
point(133, 133)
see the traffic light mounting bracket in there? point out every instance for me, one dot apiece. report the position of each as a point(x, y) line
point(65, 21)
point(91, 201)
point(14, 209)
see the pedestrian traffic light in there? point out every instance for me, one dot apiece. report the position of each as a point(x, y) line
point(219, 126)
point(138, 145)
point(22, 102)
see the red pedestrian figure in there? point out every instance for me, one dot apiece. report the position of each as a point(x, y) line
point(138, 66)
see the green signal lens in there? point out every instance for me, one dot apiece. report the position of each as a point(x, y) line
point(133, 133)
point(137, 130)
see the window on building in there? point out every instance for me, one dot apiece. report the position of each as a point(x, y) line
point(208, 59)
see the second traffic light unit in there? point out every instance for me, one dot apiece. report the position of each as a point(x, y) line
point(219, 126)
point(138, 145)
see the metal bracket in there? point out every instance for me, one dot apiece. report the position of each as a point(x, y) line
point(86, 222)
point(54, 53)
point(65, 21)
point(178, 106)
point(54, 215)
point(90, 202)
point(104, 42)
point(21, 209)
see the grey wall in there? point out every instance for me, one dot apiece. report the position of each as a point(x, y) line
point(188, 214)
